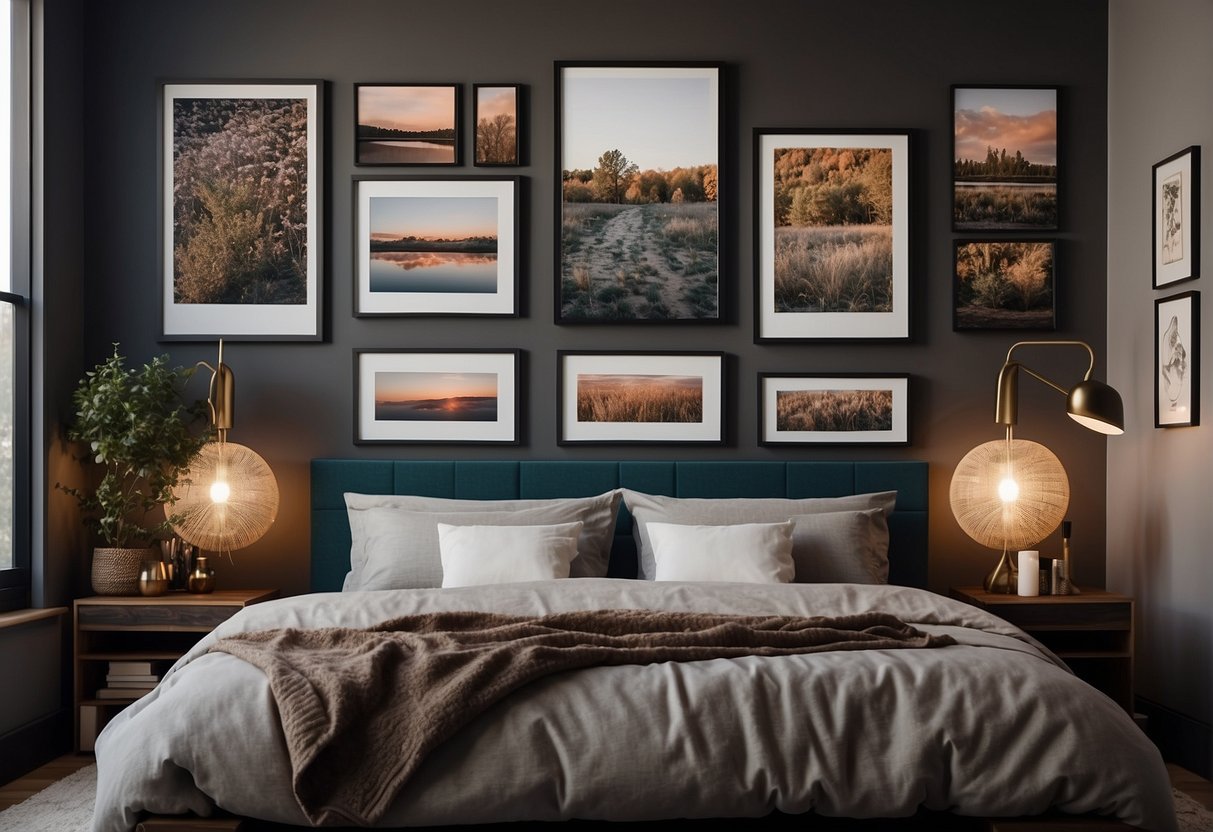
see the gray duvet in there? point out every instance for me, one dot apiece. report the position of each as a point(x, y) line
point(993, 726)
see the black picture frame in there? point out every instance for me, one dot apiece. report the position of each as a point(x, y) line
point(376, 145)
point(1004, 284)
point(491, 144)
point(851, 400)
point(1177, 360)
point(610, 268)
point(1175, 218)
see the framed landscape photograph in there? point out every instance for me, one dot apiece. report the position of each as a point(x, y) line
point(833, 409)
point(1004, 158)
point(1177, 361)
point(406, 124)
point(436, 246)
point(638, 213)
point(497, 114)
point(832, 235)
point(437, 396)
point(640, 398)
point(1176, 212)
point(241, 227)
point(1004, 284)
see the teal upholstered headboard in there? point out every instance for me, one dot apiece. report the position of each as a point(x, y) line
point(538, 479)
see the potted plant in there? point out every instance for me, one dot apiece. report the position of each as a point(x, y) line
point(138, 427)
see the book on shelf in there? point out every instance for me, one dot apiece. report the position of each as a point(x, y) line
point(131, 685)
point(132, 677)
point(139, 668)
point(121, 693)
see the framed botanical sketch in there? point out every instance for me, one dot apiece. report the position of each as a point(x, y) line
point(640, 398)
point(832, 235)
point(497, 114)
point(436, 245)
point(1004, 284)
point(240, 249)
point(1004, 158)
point(1177, 360)
point(638, 213)
point(437, 396)
point(833, 409)
point(1176, 217)
point(406, 124)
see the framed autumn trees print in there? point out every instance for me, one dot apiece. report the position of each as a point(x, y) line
point(497, 116)
point(1176, 233)
point(638, 211)
point(240, 186)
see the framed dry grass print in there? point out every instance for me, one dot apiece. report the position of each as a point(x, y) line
point(1176, 233)
point(240, 247)
point(833, 409)
point(406, 124)
point(497, 114)
point(1004, 158)
point(638, 152)
point(436, 246)
point(437, 396)
point(1177, 361)
point(640, 398)
point(1004, 284)
point(832, 232)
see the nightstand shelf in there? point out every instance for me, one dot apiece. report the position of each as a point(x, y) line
point(1091, 632)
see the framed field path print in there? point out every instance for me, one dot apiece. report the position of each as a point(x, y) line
point(1004, 284)
point(638, 213)
point(1177, 360)
point(406, 124)
point(436, 245)
point(640, 398)
point(832, 235)
point(833, 409)
point(1176, 210)
point(240, 190)
point(437, 396)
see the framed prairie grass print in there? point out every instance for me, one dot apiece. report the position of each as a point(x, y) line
point(406, 124)
point(832, 233)
point(240, 190)
point(1004, 158)
point(436, 246)
point(638, 154)
point(1177, 360)
point(1004, 284)
point(1176, 233)
point(436, 396)
point(638, 398)
point(497, 114)
point(830, 409)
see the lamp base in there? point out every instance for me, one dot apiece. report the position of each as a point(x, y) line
point(1005, 577)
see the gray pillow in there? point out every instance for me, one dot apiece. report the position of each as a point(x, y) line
point(647, 508)
point(597, 514)
point(848, 547)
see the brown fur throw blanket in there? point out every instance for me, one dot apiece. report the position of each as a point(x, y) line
point(360, 709)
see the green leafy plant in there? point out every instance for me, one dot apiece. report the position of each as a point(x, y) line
point(139, 428)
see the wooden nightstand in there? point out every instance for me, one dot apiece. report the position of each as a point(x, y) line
point(1091, 632)
point(157, 629)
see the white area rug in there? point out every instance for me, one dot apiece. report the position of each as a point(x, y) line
point(67, 806)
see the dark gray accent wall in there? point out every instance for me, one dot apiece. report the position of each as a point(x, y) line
point(870, 64)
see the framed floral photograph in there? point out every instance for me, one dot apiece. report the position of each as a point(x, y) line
point(1004, 159)
point(833, 409)
point(1177, 360)
point(1176, 217)
point(640, 398)
point(437, 396)
point(1004, 284)
point(436, 245)
point(832, 235)
point(497, 114)
point(638, 211)
point(406, 124)
point(240, 249)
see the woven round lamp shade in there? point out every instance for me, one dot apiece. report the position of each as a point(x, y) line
point(228, 500)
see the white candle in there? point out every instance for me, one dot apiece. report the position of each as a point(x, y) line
point(1029, 572)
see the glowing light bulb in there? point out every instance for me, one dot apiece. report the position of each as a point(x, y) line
point(220, 491)
point(1008, 490)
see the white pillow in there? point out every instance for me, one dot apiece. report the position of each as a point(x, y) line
point(479, 555)
point(758, 553)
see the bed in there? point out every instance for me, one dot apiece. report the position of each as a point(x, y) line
point(984, 723)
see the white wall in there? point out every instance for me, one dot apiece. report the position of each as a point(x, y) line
point(1160, 482)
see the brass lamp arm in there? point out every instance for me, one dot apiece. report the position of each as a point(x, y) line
point(221, 395)
point(1006, 406)
point(1083, 344)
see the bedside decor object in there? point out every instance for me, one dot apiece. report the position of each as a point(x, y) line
point(1176, 218)
point(153, 577)
point(136, 425)
point(1177, 361)
point(202, 578)
point(1029, 572)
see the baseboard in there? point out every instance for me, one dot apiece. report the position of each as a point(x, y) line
point(24, 749)
point(1182, 740)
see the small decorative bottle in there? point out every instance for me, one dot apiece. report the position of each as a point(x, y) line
point(202, 579)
